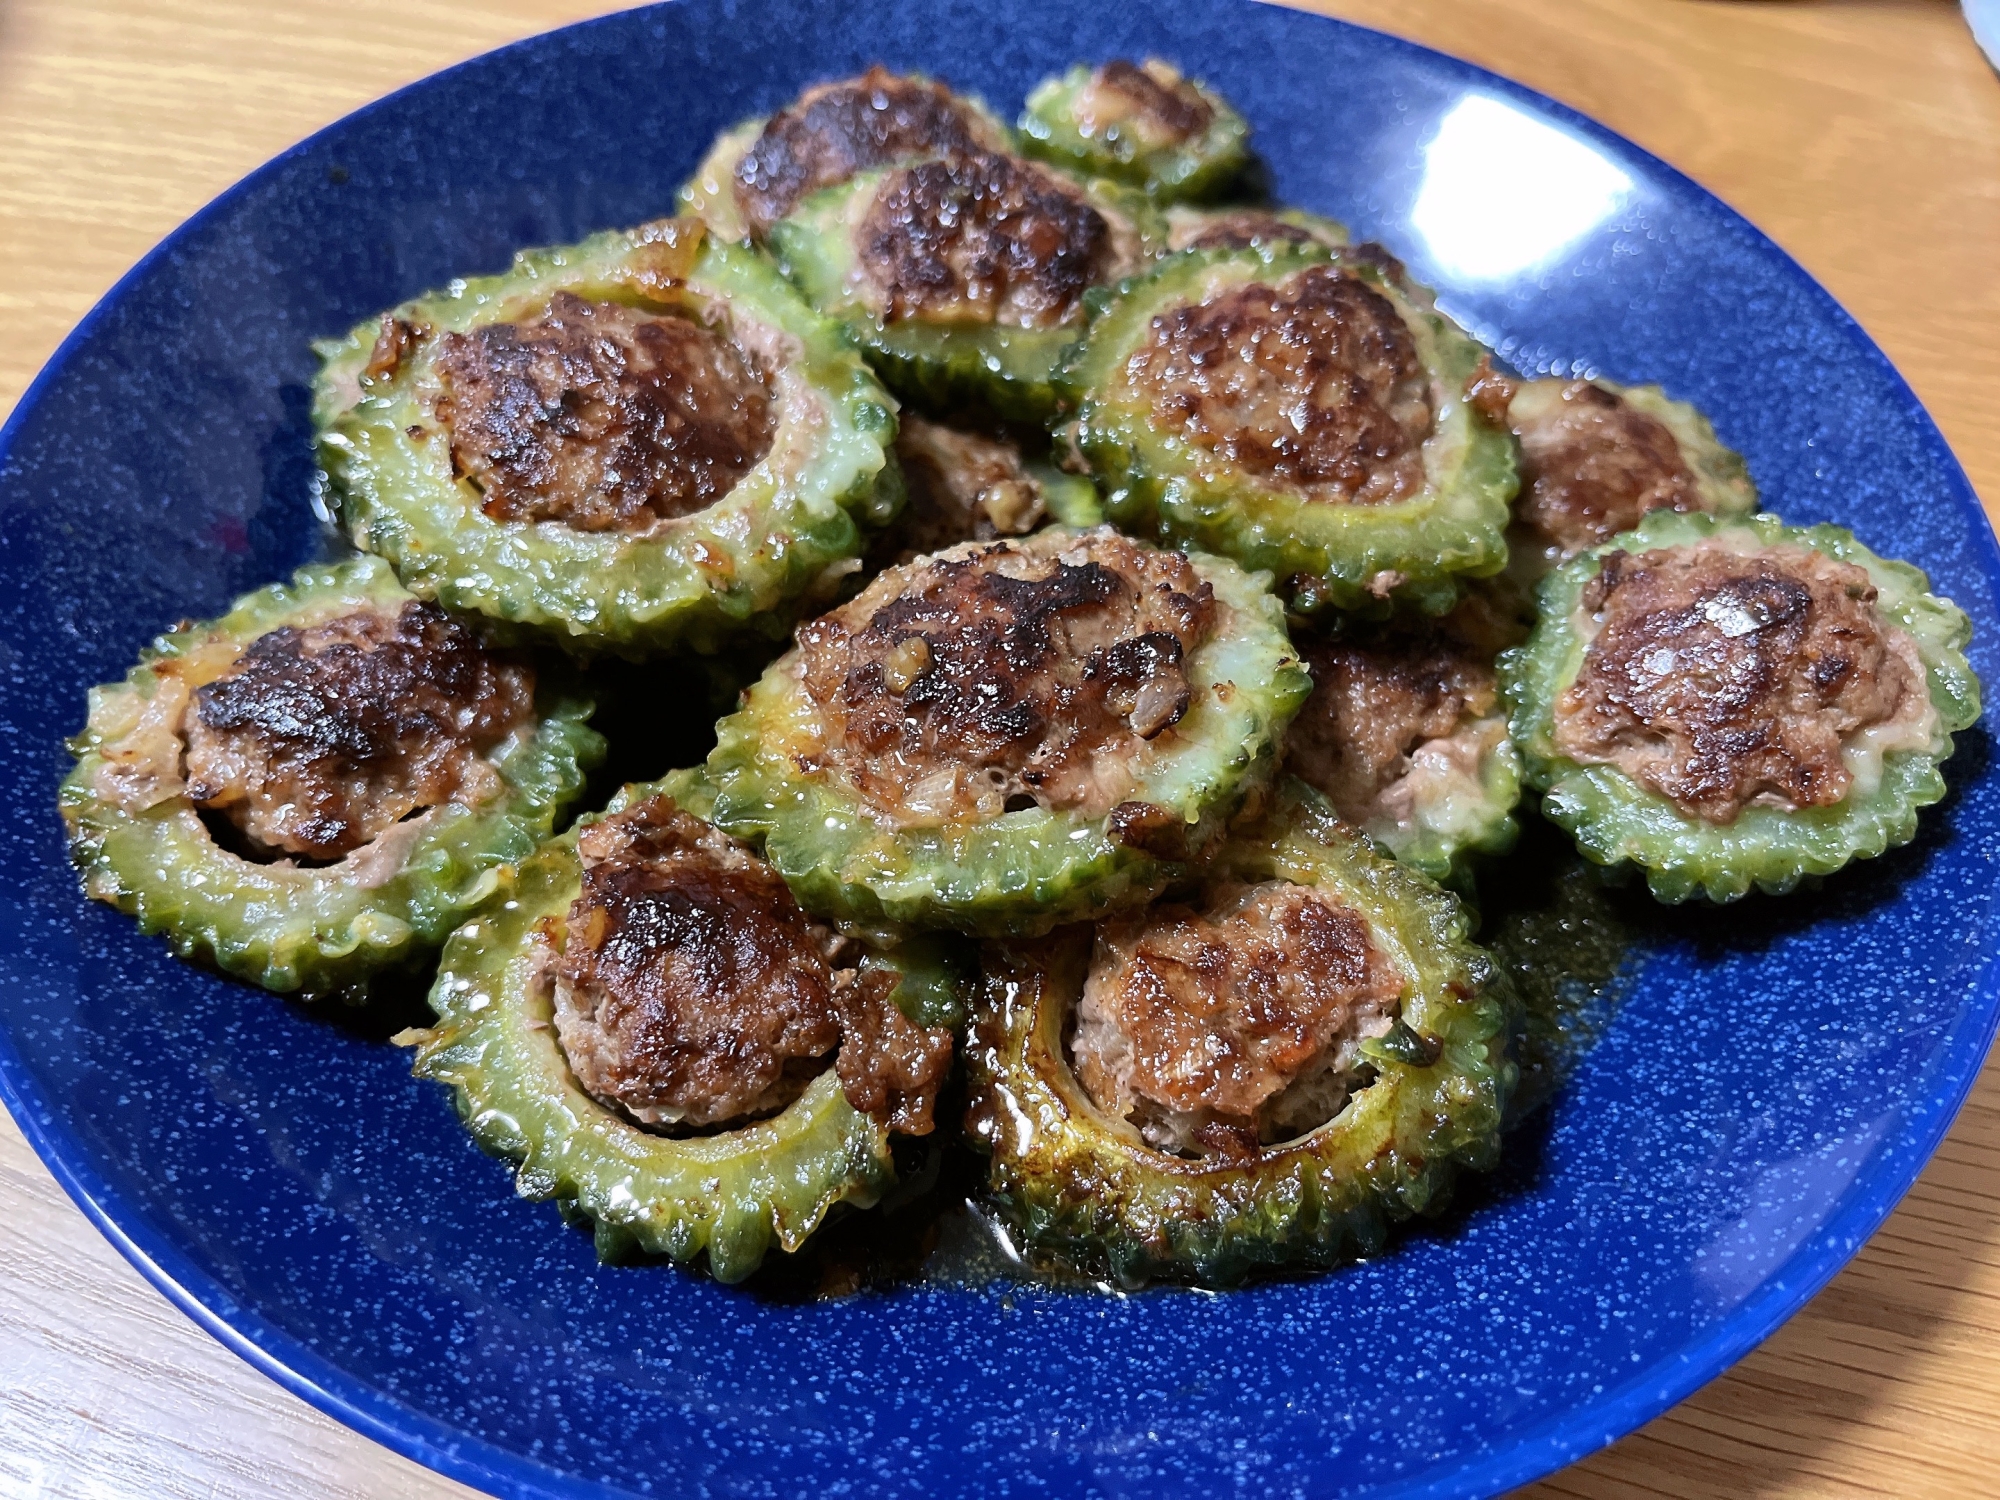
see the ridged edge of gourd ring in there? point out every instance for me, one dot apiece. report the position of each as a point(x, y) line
point(1087, 1191)
point(309, 930)
point(780, 540)
point(1023, 872)
point(1614, 819)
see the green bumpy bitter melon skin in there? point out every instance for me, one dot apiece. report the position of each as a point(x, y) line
point(1325, 555)
point(1084, 1190)
point(309, 931)
point(777, 542)
point(941, 367)
point(1023, 872)
point(1194, 171)
point(1616, 820)
point(732, 1194)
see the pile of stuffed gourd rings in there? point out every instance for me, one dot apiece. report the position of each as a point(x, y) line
point(1176, 601)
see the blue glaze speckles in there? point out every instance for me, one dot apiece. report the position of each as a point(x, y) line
point(1773, 1082)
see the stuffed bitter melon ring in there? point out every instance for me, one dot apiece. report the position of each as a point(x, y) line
point(964, 277)
point(1011, 735)
point(1730, 704)
point(1261, 1076)
point(320, 784)
point(652, 978)
point(757, 173)
point(1406, 734)
point(640, 442)
point(1598, 457)
point(1141, 123)
point(1302, 411)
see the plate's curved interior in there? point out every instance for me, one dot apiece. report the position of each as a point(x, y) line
point(1770, 1087)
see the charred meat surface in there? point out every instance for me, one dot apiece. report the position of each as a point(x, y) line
point(963, 487)
point(839, 129)
point(1219, 1027)
point(600, 416)
point(1592, 464)
point(1377, 697)
point(1314, 383)
point(1150, 101)
point(1721, 678)
point(982, 238)
point(691, 989)
point(997, 676)
point(315, 741)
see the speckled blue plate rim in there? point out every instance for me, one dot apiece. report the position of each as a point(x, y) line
point(294, 1365)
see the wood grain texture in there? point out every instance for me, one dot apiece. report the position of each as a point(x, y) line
point(1864, 135)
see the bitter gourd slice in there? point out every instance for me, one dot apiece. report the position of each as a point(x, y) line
point(1761, 744)
point(1145, 123)
point(141, 843)
point(1598, 457)
point(887, 254)
point(1406, 734)
point(732, 1193)
point(1011, 735)
point(745, 539)
point(1389, 484)
point(1083, 1188)
point(756, 172)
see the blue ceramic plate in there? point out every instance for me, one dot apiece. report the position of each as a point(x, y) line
point(1774, 1080)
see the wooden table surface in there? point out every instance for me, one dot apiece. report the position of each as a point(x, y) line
point(1864, 135)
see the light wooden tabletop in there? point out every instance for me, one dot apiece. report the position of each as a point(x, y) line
point(1864, 135)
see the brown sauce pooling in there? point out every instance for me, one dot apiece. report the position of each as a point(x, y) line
point(1377, 697)
point(997, 676)
point(1592, 464)
point(962, 486)
point(691, 989)
point(839, 129)
point(1236, 1022)
point(1151, 102)
point(318, 740)
point(983, 238)
point(601, 417)
point(1719, 679)
point(1314, 383)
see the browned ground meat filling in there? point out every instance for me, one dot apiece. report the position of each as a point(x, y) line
point(1592, 465)
point(692, 990)
point(316, 741)
point(1314, 383)
point(839, 129)
point(601, 416)
point(983, 238)
point(1237, 229)
point(1151, 101)
point(1007, 674)
point(1719, 679)
point(1376, 697)
point(1236, 1022)
point(889, 1066)
point(963, 487)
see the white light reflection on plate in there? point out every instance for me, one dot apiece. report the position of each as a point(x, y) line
point(1503, 192)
